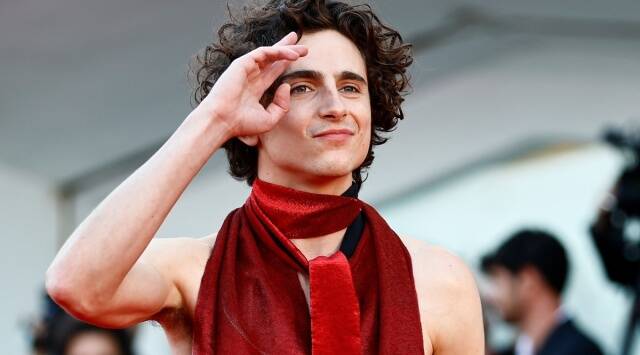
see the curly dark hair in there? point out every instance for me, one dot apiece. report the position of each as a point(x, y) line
point(386, 56)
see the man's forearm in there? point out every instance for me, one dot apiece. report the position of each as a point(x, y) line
point(110, 240)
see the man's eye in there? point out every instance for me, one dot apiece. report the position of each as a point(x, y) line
point(300, 89)
point(351, 89)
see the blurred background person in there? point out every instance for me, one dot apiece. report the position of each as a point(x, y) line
point(528, 274)
point(58, 333)
point(72, 337)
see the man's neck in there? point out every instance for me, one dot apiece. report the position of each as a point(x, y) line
point(322, 245)
point(316, 184)
point(325, 245)
point(541, 318)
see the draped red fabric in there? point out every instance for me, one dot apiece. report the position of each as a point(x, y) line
point(335, 312)
point(251, 301)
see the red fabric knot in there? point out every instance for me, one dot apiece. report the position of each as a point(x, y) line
point(335, 313)
point(312, 216)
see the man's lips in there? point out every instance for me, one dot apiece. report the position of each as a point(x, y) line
point(334, 133)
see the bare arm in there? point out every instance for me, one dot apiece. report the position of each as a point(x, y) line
point(103, 274)
point(461, 328)
point(98, 270)
point(449, 301)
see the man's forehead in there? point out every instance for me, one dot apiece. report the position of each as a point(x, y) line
point(330, 53)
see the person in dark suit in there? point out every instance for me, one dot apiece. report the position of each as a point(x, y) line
point(528, 273)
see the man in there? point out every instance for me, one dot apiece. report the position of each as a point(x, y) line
point(528, 274)
point(298, 268)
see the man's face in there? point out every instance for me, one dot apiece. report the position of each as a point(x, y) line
point(505, 294)
point(327, 131)
point(92, 343)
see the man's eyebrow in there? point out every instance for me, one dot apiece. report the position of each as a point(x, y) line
point(349, 75)
point(317, 76)
point(299, 74)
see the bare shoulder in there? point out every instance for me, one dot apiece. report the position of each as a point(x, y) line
point(448, 299)
point(438, 269)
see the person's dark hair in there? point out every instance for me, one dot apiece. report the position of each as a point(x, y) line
point(386, 56)
point(69, 329)
point(536, 248)
point(65, 329)
point(53, 333)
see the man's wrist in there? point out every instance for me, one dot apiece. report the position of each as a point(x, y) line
point(215, 125)
point(200, 135)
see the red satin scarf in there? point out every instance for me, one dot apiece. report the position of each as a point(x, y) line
point(251, 301)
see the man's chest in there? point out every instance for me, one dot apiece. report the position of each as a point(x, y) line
point(182, 333)
point(189, 287)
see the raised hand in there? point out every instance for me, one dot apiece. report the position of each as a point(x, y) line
point(137, 282)
point(235, 97)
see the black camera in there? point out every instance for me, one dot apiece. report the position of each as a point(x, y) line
point(619, 253)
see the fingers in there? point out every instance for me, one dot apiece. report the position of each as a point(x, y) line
point(264, 56)
point(280, 104)
point(290, 38)
point(285, 49)
point(270, 74)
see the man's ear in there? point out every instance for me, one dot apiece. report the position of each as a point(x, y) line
point(530, 278)
point(251, 141)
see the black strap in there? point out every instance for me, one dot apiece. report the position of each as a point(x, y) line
point(354, 231)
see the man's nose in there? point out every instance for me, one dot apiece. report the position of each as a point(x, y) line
point(332, 106)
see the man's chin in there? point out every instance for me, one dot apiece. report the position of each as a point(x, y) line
point(336, 171)
point(331, 175)
point(328, 174)
point(324, 169)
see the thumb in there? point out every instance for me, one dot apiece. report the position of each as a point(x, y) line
point(280, 103)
